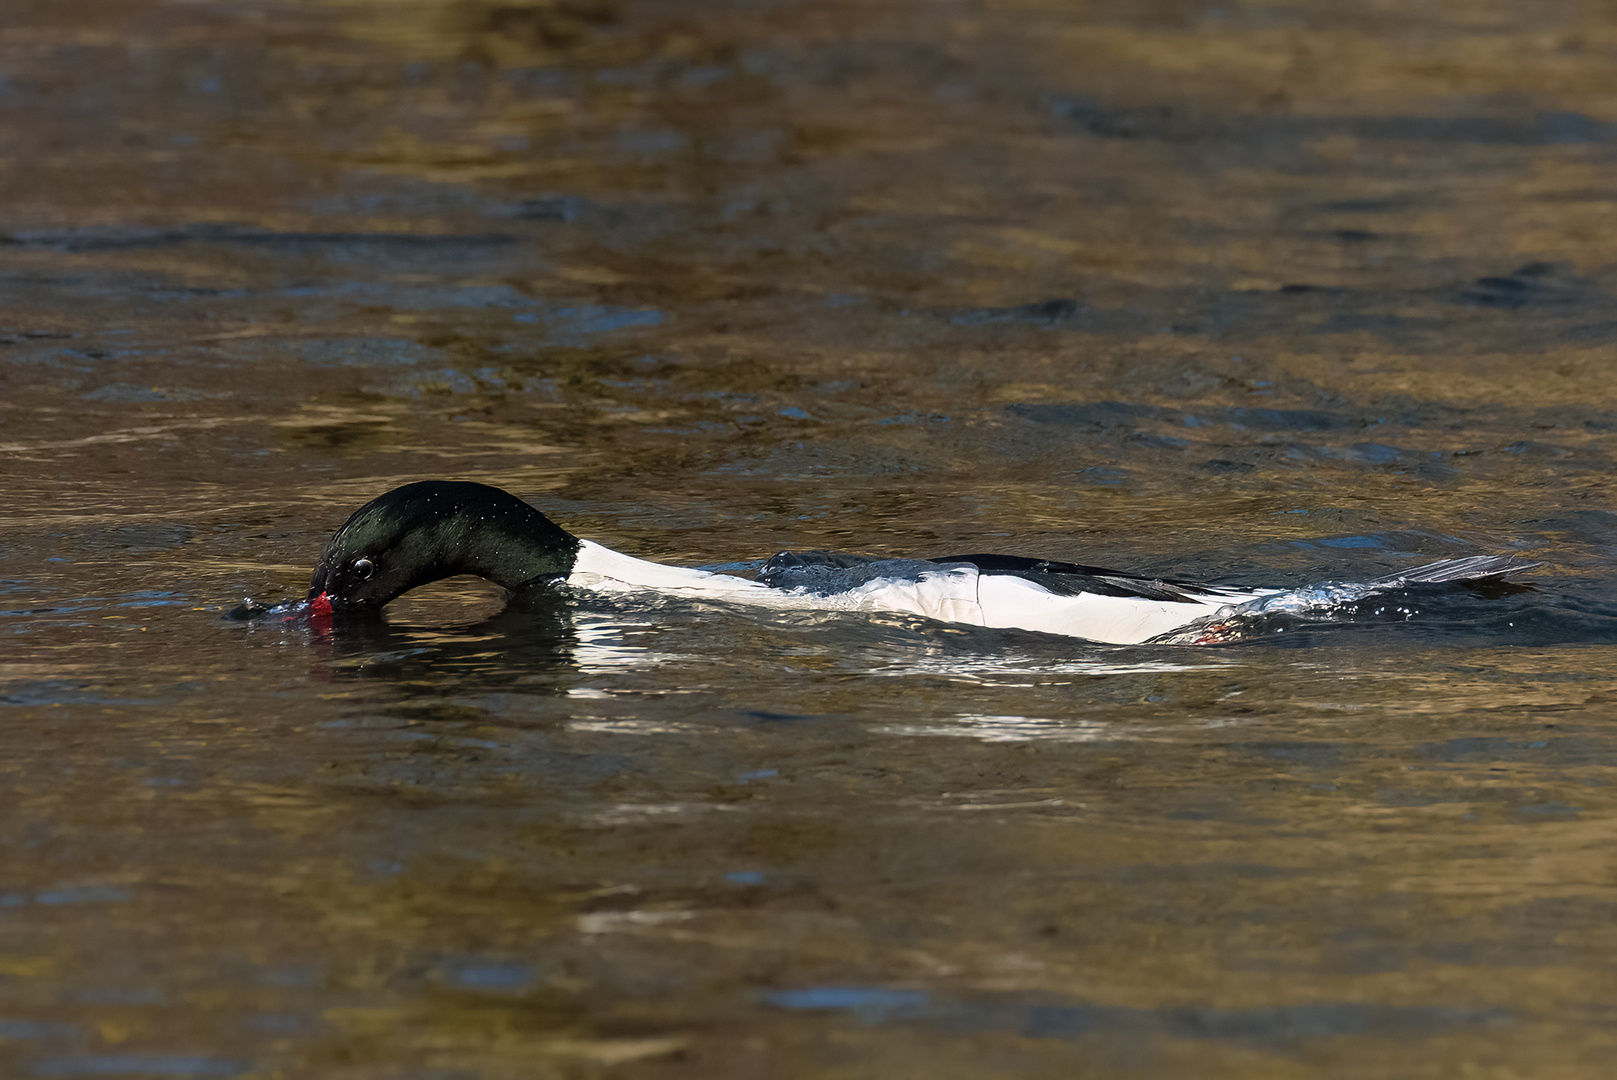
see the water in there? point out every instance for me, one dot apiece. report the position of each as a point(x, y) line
point(1262, 295)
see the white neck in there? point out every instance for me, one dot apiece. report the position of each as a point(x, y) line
point(602, 568)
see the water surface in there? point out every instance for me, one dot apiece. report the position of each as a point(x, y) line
point(1261, 294)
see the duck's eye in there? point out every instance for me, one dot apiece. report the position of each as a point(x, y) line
point(364, 568)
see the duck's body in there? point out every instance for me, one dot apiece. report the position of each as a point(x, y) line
point(955, 590)
point(435, 529)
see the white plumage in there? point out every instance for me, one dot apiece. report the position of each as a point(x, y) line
point(955, 593)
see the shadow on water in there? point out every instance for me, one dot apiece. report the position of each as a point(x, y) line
point(533, 641)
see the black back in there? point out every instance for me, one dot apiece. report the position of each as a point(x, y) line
point(1072, 579)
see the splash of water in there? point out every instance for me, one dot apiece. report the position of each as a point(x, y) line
point(1325, 602)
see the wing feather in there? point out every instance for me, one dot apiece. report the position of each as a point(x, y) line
point(1073, 579)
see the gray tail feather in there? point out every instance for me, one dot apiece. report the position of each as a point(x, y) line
point(1474, 568)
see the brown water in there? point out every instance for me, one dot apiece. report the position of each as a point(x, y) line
point(1262, 293)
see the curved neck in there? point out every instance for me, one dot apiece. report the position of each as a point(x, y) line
point(433, 529)
point(508, 542)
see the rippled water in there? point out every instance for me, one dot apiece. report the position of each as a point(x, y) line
point(1258, 294)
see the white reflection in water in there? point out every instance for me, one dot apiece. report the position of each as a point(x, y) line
point(606, 643)
point(630, 726)
point(600, 647)
point(633, 813)
point(1007, 729)
point(992, 670)
point(608, 922)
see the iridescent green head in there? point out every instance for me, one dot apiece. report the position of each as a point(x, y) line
point(435, 529)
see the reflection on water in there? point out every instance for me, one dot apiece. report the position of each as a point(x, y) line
point(1252, 293)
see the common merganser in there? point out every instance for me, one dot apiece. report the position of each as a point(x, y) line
point(423, 532)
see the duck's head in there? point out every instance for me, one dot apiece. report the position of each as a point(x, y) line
point(435, 529)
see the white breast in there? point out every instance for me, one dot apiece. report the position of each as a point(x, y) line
point(960, 594)
point(606, 570)
point(1118, 620)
